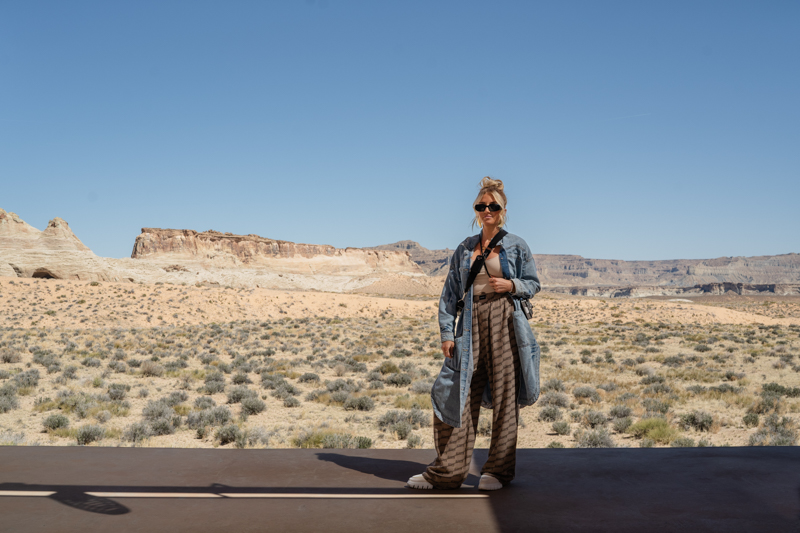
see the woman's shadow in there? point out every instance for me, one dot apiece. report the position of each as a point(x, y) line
point(391, 469)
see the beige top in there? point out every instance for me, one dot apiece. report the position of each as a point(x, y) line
point(481, 283)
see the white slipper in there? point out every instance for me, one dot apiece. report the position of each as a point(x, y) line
point(419, 482)
point(489, 483)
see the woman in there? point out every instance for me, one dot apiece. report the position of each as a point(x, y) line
point(491, 355)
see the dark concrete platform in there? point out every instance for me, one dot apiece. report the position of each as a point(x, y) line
point(67, 489)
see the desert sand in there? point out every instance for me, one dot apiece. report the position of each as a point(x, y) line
point(299, 368)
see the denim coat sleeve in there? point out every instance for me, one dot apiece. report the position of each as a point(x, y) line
point(526, 284)
point(451, 293)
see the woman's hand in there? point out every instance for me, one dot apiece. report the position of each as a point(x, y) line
point(501, 285)
point(447, 348)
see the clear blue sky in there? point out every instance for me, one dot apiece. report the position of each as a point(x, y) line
point(626, 130)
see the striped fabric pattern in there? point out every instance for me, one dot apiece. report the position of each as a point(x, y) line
point(496, 360)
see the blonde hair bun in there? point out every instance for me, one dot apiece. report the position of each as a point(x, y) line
point(488, 184)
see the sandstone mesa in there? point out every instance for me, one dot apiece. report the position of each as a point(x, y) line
point(215, 258)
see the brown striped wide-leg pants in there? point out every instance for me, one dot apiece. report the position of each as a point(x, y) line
point(496, 362)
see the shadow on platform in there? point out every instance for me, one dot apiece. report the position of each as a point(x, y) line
point(687, 490)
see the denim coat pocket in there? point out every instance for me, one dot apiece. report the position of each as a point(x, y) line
point(529, 354)
point(454, 362)
point(446, 395)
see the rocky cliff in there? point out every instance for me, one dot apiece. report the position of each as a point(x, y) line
point(53, 253)
point(576, 271)
point(16, 234)
point(215, 249)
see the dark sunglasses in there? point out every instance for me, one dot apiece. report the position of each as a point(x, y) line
point(494, 208)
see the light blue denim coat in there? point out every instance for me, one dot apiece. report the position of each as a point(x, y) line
point(451, 388)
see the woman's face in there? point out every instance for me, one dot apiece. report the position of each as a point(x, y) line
point(488, 217)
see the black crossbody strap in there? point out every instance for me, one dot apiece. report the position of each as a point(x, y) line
point(477, 264)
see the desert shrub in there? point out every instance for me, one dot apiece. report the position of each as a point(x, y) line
point(78, 403)
point(240, 392)
point(339, 397)
point(308, 377)
point(4, 374)
point(649, 380)
point(10, 357)
point(699, 420)
point(103, 416)
point(388, 367)
point(174, 365)
point(401, 429)
point(228, 433)
point(555, 444)
point(213, 387)
point(376, 384)
point(767, 403)
point(285, 390)
point(656, 406)
point(341, 385)
point(151, 369)
point(554, 398)
point(586, 393)
point(775, 431)
point(398, 380)
point(118, 391)
point(330, 439)
point(621, 425)
point(214, 416)
point(421, 387)
point(91, 362)
point(55, 421)
point(549, 413)
point(657, 388)
point(8, 398)
point(89, 433)
point(620, 411)
point(561, 428)
point(416, 417)
point(414, 441)
point(750, 420)
point(673, 361)
point(657, 429)
point(780, 390)
point(117, 366)
point(594, 419)
point(253, 405)
point(175, 398)
point(214, 377)
point(359, 403)
point(696, 389)
point(647, 443)
point(683, 442)
point(554, 385)
point(137, 432)
point(240, 378)
point(162, 426)
point(29, 378)
point(608, 387)
point(596, 438)
point(291, 401)
point(702, 348)
point(204, 402)
point(156, 409)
